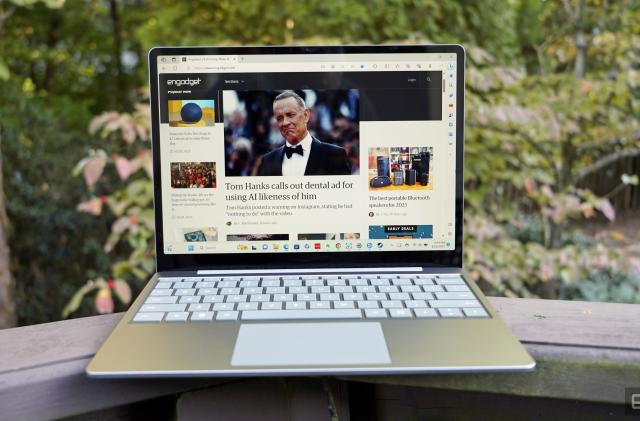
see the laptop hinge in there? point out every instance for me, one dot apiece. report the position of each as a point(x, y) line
point(325, 270)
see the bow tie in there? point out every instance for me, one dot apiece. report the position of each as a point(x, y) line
point(291, 150)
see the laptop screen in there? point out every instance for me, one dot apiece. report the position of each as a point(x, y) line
point(308, 153)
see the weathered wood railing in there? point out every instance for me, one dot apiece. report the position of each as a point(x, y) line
point(587, 354)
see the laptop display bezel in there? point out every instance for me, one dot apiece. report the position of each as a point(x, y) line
point(290, 259)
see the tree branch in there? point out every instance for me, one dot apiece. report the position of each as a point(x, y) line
point(604, 161)
point(530, 141)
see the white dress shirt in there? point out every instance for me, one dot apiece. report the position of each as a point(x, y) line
point(296, 165)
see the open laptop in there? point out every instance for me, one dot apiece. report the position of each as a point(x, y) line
point(309, 216)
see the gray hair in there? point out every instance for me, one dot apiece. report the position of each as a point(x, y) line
point(291, 94)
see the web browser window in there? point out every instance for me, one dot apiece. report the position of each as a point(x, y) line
point(307, 153)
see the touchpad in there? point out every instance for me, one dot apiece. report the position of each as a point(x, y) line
point(310, 344)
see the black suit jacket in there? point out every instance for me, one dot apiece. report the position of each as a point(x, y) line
point(324, 159)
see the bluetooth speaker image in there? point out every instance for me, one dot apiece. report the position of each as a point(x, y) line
point(191, 112)
point(406, 167)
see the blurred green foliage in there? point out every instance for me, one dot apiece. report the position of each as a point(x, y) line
point(553, 89)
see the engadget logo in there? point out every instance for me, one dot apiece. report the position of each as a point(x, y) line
point(180, 82)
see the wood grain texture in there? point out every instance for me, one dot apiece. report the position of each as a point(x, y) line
point(585, 351)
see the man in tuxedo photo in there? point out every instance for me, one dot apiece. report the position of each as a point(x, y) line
point(302, 154)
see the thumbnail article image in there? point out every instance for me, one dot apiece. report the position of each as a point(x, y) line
point(291, 133)
point(191, 112)
point(190, 235)
point(191, 175)
point(401, 168)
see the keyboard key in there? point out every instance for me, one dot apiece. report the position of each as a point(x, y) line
point(301, 314)
point(456, 288)
point(253, 290)
point(227, 284)
point(321, 290)
point(410, 288)
point(455, 296)
point(450, 312)
point(161, 292)
point(205, 284)
point(336, 282)
point(259, 298)
point(391, 304)
point(148, 317)
point(163, 285)
point(353, 297)
point(208, 291)
point(147, 308)
point(379, 282)
point(400, 313)
point(276, 290)
point(449, 275)
point(199, 307)
point(330, 297)
point(161, 300)
point(224, 306)
point(202, 316)
point(295, 305)
point(292, 283)
point(432, 288)
point(229, 291)
point(183, 285)
point(399, 296)
point(366, 288)
point(368, 304)
point(454, 303)
point(375, 313)
point(388, 288)
point(357, 282)
point(236, 298)
point(177, 316)
point(451, 281)
point(231, 315)
point(187, 291)
point(425, 313)
point(247, 306)
point(282, 297)
point(298, 290)
point(399, 282)
point(378, 296)
point(270, 283)
point(342, 289)
point(423, 282)
point(271, 306)
point(248, 284)
point(213, 299)
point(475, 312)
point(189, 299)
point(343, 304)
point(251, 278)
point(306, 297)
point(313, 282)
point(422, 295)
point(416, 304)
point(319, 304)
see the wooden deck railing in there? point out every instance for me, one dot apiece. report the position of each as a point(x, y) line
point(586, 352)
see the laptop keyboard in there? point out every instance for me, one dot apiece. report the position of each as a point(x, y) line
point(309, 297)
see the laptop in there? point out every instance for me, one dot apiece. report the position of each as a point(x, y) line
point(309, 215)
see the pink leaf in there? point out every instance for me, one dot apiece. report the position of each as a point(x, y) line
point(128, 131)
point(93, 169)
point(122, 290)
point(121, 224)
point(92, 206)
point(125, 167)
point(604, 205)
point(104, 302)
